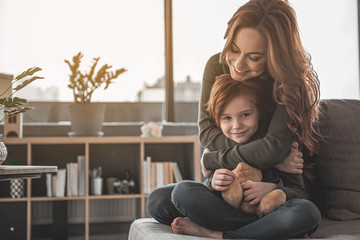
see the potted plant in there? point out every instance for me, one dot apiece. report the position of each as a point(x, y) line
point(86, 117)
point(14, 105)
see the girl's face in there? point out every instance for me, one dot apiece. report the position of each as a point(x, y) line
point(239, 121)
point(247, 55)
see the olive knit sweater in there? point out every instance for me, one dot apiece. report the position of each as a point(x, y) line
point(263, 153)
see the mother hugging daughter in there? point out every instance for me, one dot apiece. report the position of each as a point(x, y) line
point(261, 112)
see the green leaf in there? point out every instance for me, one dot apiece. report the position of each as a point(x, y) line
point(28, 72)
point(26, 82)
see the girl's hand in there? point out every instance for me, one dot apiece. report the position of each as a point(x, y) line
point(206, 173)
point(294, 163)
point(253, 192)
point(222, 179)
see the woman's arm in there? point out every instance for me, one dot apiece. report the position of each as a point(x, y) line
point(264, 153)
point(292, 185)
point(294, 163)
point(210, 136)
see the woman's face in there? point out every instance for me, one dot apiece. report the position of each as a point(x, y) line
point(239, 121)
point(247, 55)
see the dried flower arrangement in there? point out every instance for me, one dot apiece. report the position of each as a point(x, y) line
point(84, 84)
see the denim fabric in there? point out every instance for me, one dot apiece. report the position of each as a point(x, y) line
point(160, 206)
point(295, 218)
point(207, 208)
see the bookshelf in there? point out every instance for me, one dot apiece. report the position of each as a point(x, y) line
point(89, 216)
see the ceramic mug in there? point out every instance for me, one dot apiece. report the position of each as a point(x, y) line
point(96, 186)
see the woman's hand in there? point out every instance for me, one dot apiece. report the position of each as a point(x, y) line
point(253, 192)
point(206, 173)
point(222, 179)
point(294, 163)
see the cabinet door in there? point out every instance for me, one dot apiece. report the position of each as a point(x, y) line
point(111, 218)
point(13, 220)
point(59, 219)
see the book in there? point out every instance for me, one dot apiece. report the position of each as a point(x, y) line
point(159, 174)
point(68, 190)
point(171, 172)
point(53, 184)
point(153, 176)
point(177, 173)
point(60, 182)
point(49, 192)
point(166, 172)
point(81, 175)
point(144, 177)
point(72, 179)
point(148, 174)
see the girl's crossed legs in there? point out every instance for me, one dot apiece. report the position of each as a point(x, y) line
point(206, 208)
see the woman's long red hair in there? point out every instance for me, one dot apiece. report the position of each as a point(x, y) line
point(296, 84)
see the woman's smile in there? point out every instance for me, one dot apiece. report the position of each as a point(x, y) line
point(247, 57)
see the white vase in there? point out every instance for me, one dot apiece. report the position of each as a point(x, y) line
point(3, 150)
point(86, 119)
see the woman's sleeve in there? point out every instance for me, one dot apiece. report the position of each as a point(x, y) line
point(211, 136)
point(263, 153)
point(293, 185)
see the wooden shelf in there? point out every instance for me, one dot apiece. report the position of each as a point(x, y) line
point(23, 199)
point(114, 154)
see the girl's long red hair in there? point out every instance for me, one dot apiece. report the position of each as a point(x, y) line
point(226, 89)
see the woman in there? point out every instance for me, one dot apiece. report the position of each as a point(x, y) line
point(278, 55)
point(263, 43)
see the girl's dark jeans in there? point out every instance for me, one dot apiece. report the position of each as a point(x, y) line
point(196, 201)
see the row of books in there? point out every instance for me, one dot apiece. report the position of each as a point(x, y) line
point(70, 180)
point(157, 174)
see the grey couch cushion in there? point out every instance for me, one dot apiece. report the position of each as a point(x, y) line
point(338, 162)
point(332, 229)
point(150, 229)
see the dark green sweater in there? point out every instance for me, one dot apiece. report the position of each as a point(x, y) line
point(264, 153)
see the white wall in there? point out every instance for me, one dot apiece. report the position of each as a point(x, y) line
point(329, 30)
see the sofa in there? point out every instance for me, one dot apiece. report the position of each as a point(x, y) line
point(335, 189)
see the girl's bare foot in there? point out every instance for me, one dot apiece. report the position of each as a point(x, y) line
point(183, 225)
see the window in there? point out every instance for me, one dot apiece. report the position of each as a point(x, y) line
point(43, 33)
point(130, 34)
point(330, 35)
point(198, 30)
